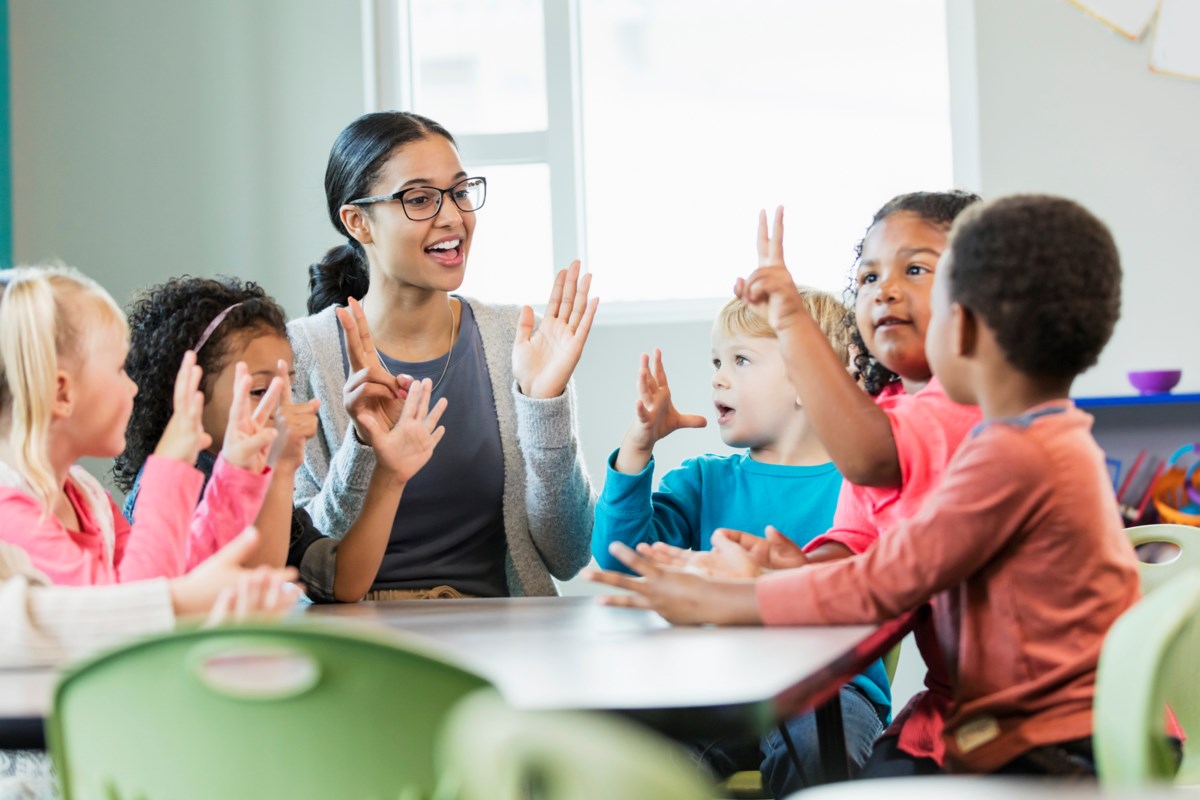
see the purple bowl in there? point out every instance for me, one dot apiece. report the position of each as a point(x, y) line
point(1155, 381)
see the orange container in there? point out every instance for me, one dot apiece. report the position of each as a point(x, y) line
point(1170, 495)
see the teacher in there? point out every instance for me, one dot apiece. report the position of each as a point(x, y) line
point(505, 501)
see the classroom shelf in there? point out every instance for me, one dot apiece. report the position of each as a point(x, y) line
point(1137, 400)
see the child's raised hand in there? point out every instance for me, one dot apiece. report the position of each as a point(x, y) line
point(184, 436)
point(249, 434)
point(680, 597)
point(370, 390)
point(296, 423)
point(543, 360)
point(656, 417)
point(770, 290)
point(409, 444)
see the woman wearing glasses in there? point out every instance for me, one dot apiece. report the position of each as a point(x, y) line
point(505, 501)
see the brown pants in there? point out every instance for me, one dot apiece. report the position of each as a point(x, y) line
point(436, 593)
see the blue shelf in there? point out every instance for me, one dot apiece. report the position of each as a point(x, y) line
point(1136, 400)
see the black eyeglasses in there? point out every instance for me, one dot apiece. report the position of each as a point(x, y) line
point(424, 202)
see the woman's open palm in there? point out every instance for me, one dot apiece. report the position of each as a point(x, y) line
point(409, 444)
point(544, 359)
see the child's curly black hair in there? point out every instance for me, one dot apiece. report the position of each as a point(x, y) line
point(936, 208)
point(167, 320)
point(1044, 275)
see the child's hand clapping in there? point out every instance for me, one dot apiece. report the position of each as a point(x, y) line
point(295, 422)
point(370, 391)
point(656, 417)
point(409, 444)
point(249, 435)
point(770, 290)
point(184, 436)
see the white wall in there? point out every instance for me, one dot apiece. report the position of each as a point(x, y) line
point(153, 139)
point(1067, 106)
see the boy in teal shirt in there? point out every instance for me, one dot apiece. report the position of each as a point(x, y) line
point(785, 479)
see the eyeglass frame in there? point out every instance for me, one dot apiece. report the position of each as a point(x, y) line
point(383, 198)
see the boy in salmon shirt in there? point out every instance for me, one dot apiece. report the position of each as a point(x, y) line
point(1021, 539)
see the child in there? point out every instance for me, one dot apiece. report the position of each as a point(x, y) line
point(785, 478)
point(43, 625)
point(1021, 538)
point(229, 324)
point(65, 396)
point(891, 447)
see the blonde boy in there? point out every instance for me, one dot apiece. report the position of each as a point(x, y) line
point(784, 479)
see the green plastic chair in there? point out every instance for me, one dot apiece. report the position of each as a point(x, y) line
point(490, 751)
point(292, 710)
point(1149, 660)
point(1167, 540)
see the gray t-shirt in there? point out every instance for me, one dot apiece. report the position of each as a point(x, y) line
point(449, 528)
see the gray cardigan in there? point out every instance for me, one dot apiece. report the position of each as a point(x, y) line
point(548, 499)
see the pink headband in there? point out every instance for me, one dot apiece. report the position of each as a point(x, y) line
point(212, 326)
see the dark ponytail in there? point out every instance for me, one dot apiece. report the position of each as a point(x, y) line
point(359, 154)
point(337, 277)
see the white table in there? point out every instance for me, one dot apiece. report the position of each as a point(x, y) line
point(571, 653)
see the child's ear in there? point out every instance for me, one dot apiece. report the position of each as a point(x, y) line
point(356, 222)
point(64, 396)
point(966, 331)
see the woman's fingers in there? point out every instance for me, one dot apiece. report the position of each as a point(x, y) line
point(436, 414)
point(354, 352)
point(570, 288)
point(365, 340)
point(581, 301)
point(556, 294)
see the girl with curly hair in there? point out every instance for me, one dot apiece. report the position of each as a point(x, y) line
point(238, 333)
point(65, 395)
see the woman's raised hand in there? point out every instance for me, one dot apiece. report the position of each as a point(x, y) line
point(409, 444)
point(370, 391)
point(184, 436)
point(543, 360)
point(770, 290)
point(250, 434)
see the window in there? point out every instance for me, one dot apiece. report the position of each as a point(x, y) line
point(644, 135)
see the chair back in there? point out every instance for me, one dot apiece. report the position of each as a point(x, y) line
point(1149, 661)
point(1164, 551)
point(293, 710)
point(490, 751)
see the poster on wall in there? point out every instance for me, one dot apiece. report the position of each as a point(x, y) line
point(1177, 40)
point(1130, 18)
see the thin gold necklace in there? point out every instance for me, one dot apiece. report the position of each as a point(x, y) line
point(449, 352)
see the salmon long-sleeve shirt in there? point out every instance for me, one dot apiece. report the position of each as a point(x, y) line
point(928, 428)
point(1022, 546)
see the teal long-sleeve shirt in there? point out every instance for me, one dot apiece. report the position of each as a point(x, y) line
point(710, 492)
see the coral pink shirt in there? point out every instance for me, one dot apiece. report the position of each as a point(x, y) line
point(1022, 547)
point(169, 537)
point(928, 427)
